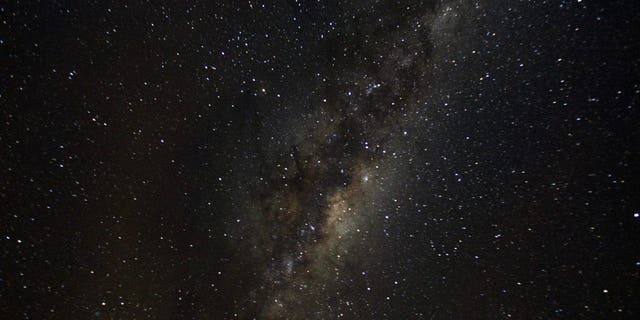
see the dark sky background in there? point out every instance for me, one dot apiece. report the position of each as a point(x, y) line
point(319, 160)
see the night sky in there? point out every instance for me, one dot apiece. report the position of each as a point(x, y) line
point(320, 159)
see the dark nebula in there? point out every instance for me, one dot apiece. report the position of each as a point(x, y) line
point(320, 160)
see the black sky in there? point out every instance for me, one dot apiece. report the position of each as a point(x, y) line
point(319, 160)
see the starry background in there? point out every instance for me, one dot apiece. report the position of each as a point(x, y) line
point(319, 160)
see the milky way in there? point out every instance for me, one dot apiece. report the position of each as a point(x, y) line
point(331, 173)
